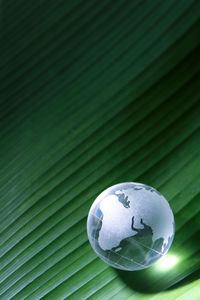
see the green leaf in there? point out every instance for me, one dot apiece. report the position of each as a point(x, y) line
point(94, 93)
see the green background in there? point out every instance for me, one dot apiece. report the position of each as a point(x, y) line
point(94, 93)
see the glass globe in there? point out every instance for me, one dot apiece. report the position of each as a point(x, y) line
point(130, 226)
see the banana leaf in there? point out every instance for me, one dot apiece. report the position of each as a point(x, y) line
point(94, 93)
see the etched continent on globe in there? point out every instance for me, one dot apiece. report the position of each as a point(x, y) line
point(130, 226)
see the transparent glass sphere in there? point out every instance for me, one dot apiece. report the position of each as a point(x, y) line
point(130, 226)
